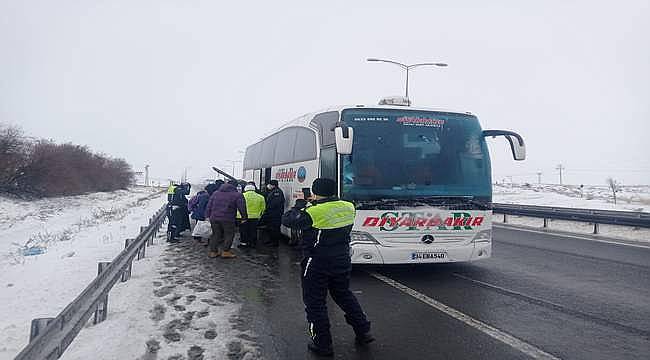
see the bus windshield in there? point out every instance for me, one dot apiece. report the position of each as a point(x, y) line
point(409, 154)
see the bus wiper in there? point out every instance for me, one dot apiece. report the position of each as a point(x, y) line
point(387, 204)
point(451, 201)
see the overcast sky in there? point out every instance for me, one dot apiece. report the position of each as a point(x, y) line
point(191, 83)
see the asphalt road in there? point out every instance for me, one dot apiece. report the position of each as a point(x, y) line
point(560, 296)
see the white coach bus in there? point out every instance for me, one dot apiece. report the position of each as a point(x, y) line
point(420, 178)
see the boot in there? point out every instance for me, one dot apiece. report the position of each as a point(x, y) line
point(228, 255)
point(364, 339)
point(214, 254)
point(320, 350)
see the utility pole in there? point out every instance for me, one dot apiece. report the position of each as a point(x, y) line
point(560, 168)
point(146, 175)
point(539, 177)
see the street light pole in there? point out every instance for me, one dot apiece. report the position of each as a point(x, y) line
point(407, 68)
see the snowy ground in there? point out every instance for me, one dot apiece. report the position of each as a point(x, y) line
point(75, 233)
point(173, 308)
point(631, 198)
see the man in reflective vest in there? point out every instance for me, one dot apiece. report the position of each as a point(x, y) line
point(255, 205)
point(170, 191)
point(326, 226)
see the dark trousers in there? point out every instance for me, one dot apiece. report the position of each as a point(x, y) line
point(317, 280)
point(176, 222)
point(248, 232)
point(275, 235)
point(223, 233)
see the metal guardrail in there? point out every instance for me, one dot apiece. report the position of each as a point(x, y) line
point(50, 337)
point(595, 216)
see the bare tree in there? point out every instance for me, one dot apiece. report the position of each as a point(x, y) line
point(615, 186)
point(14, 149)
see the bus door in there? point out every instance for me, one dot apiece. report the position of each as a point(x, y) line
point(265, 177)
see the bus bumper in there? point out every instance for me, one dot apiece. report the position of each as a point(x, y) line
point(377, 254)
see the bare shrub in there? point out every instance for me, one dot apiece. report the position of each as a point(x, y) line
point(44, 168)
point(14, 150)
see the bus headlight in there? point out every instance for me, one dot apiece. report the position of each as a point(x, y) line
point(360, 237)
point(483, 236)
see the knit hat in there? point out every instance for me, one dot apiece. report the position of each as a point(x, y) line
point(324, 187)
point(249, 188)
point(210, 188)
point(273, 182)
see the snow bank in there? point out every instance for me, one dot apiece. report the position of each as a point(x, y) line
point(76, 233)
point(630, 198)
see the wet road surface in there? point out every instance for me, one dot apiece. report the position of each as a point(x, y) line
point(568, 298)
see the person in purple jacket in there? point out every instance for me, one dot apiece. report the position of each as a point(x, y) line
point(222, 212)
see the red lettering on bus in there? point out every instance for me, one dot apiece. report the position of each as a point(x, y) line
point(459, 221)
point(371, 221)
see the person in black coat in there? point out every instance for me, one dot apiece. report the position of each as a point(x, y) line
point(326, 265)
point(272, 217)
point(179, 217)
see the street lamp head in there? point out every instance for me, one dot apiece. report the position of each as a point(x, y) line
point(372, 59)
point(440, 64)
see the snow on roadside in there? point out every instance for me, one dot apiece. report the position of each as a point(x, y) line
point(77, 232)
point(163, 312)
point(630, 198)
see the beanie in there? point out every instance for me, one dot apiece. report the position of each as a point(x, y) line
point(324, 187)
point(273, 182)
point(210, 188)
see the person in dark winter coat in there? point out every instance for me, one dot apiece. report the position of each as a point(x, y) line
point(272, 218)
point(326, 266)
point(203, 197)
point(201, 202)
point(179, 220)
point(222, 211)
point(194, 201)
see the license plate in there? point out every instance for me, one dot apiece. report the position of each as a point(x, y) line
point(428, 255)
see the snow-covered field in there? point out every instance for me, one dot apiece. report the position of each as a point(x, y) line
point(74, 233)
point(631, 198)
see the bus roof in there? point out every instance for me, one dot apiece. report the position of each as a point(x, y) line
point(306, 119)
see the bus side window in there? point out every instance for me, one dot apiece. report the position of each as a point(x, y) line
point(328, 163)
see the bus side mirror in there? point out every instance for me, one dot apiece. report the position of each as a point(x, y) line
point(516, 142)
point(344, 136)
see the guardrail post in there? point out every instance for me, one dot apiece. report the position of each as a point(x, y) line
point(545, 222)
point(126, 275)
point(143, 248)
point(505, 218)
point(596, 228)
point(102, 306)
point(38, 325)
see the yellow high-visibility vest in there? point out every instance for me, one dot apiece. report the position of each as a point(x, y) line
point(255, 205)
point(332, 214)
